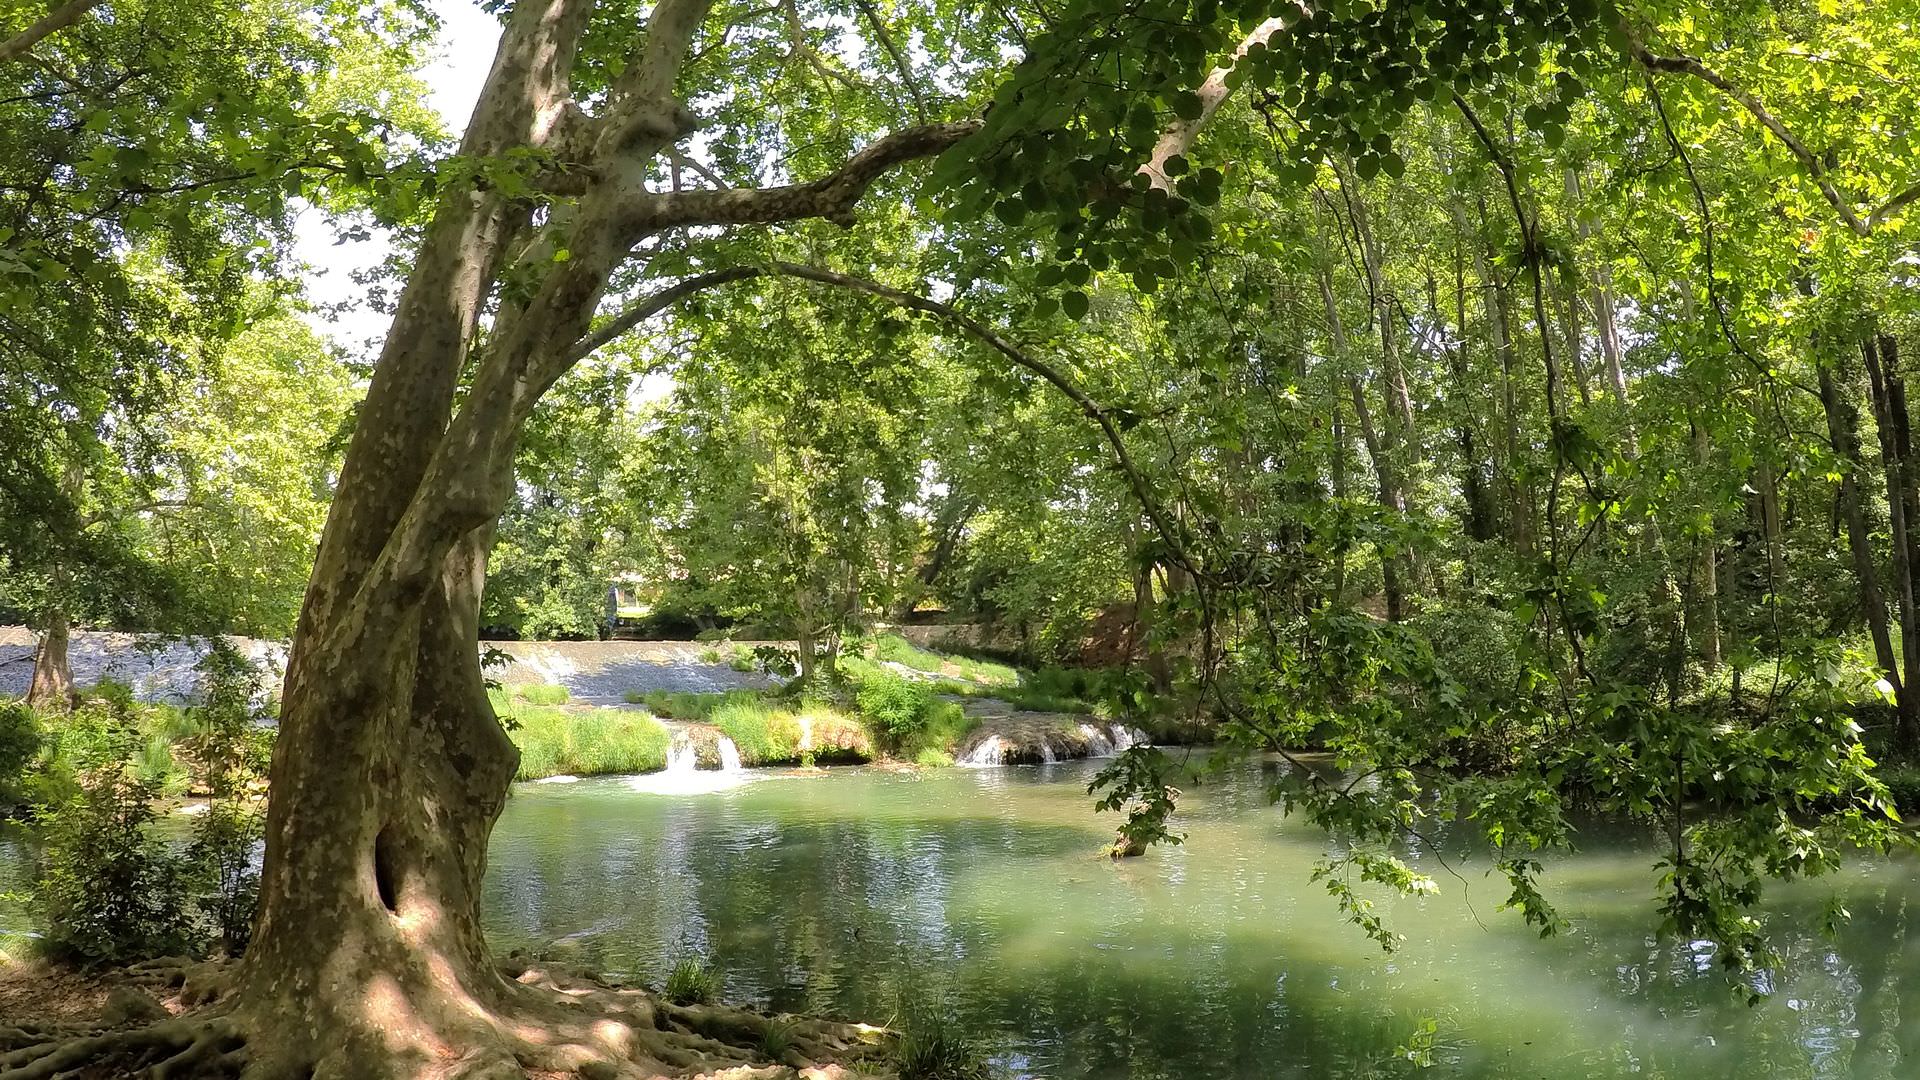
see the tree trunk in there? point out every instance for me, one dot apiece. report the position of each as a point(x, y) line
point(1392, 583)
point(52, 685)
point(1709, 574)
point(1900, 525)
point(1843, 428)
point(390, 768)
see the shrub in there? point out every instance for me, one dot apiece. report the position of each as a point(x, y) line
point(634, 697)
point(228, 754)
point(710, 655)
point(541, 694)
point(945, 725)
point(690, 983)
point(19, 747)
point(894, 708)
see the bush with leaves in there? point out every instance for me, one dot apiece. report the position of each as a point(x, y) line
point(895, 709)
point(110, 890)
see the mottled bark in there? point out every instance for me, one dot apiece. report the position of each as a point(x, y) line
point(52, 684)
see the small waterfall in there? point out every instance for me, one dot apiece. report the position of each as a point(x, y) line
point(1047, 756)
point(680, 756)
point(1110, 740)
point(729, 755)
point(1099, 743)
point(991, 751)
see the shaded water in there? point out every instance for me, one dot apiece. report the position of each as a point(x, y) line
point(1218, 959)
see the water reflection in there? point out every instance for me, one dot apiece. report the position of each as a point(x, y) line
point(1217, 959)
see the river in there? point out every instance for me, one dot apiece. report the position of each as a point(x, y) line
point(850, 892)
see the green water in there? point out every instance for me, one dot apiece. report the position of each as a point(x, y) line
point(1218, 959)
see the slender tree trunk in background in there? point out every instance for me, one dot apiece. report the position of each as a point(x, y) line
point(1337, 432)
point(1519, 492)
point(52, 685)
point(1576, 362)
point(1393, 585)
point(1709, 587)
point(1402, 443)
point(1843, 429)
point(1900, 526)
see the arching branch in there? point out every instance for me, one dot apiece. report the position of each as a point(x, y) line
point(900, 63)
point(1178, 138)
point(831, 197)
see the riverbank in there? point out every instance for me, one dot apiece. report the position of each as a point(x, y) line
point(663, 1035)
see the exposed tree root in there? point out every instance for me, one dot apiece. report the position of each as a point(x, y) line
point(555, 1026)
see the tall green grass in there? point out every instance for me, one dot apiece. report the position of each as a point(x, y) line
point(763, 734)
point(686, 705)
point(540, 693)
point(586, 742)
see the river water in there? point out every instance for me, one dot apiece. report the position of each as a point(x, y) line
point(851, 892)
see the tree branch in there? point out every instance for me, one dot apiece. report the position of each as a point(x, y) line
point(1689, 65)
point(832, 196)
point(899, 59)
point(58, 19)
point(1178, 138)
